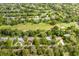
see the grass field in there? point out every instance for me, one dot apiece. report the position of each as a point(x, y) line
point(40, 26)
point(30, 26)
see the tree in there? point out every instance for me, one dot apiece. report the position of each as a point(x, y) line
point(39, 51)
point(36, 42)
point(33, 50)
point(42, 34)
point(31, 33)
point(49, 52)
point(5, 52)
point(43, 41)
point(26, 42)
point(9, 43)
point(25, 52)
point(49, 33)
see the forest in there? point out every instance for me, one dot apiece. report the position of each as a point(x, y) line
point(39, 29)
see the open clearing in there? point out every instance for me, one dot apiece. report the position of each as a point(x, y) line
point(28, 26)
point(40, 26)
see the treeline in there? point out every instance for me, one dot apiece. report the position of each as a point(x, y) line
point(36, 13)
point(69, 36)
point(8, 31)
point(44, 51)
